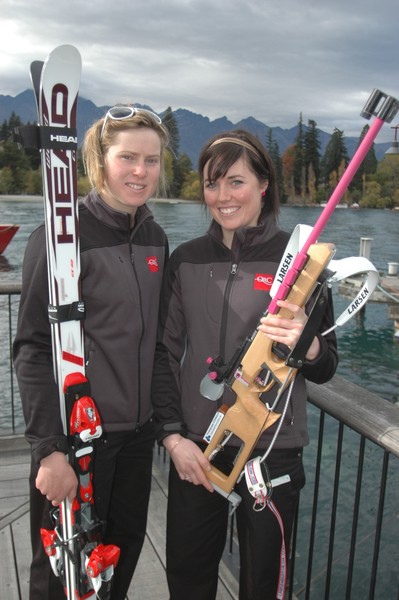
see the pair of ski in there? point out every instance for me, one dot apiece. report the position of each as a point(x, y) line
point(85, 565)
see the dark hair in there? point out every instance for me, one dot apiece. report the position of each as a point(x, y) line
point(224, 149)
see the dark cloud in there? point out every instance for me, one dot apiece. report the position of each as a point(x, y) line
point(261, 58)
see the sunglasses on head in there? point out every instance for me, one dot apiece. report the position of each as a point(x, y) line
point(119, 113)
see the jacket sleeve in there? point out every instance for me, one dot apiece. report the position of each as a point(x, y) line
point(322, 369)
point(32, 355)
point(170, 348)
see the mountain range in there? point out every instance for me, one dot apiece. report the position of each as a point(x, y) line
point(194, 129)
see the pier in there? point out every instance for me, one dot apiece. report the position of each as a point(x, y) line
point(149, 582)
point(347, 527)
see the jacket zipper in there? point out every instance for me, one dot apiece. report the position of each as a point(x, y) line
point(137, 427)
point(226, 299)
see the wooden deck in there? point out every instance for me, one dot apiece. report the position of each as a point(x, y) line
point(149, 581)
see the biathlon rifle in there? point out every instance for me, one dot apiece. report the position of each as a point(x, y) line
point(258, 364)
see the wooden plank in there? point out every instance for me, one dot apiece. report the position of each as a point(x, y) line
point(13, 510)
point(156, 528)
point(15, 471)
point(23, 553)
point(149, 581)
point(8, 575)
point(13, 488)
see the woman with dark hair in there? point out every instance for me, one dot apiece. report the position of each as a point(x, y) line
point(123, 253)
point(215, 289)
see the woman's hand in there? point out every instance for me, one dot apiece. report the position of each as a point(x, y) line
point(288, 331)
point(56, 479)
point(191, 464)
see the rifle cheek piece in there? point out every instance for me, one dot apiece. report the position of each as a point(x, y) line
point(297, 356)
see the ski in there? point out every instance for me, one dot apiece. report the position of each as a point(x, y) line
point(85, 565)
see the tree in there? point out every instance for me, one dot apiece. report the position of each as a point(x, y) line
point(19, 161)
point(6, 180)
point(387, 177)
point(335, 159)
point(298, 166)
point(367, 167)
point(191, 187)
point(170, 123)
point(311, 158)
point(274, 151)
point(183, 167)
point(287, 160)
point(174, 179)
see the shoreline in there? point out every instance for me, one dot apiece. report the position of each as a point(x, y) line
point(27, 198)
point(32, 198)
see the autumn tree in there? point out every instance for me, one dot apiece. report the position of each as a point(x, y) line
point(287, 160)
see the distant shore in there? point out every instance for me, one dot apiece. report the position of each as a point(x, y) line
point(26, 198)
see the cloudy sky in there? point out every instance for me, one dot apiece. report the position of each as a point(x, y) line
point(269, 59)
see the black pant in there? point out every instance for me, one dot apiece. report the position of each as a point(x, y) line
point(197, 523)
point(122, 485)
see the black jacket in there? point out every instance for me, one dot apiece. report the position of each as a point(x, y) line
point(211, 302)
point(121, 294)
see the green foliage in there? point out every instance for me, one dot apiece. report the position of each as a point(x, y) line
point(84, 186)
point(6, 180)
point(387, 178)
point(191, 188)
point(19, 169)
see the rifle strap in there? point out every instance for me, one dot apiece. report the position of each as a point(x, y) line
point(337, 271)
point(349, 267)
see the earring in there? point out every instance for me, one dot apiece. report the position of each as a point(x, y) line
point(263, 193)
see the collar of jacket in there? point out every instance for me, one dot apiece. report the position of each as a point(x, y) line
point(247, 236)
point(111, 217)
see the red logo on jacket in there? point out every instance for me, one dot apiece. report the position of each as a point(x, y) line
point(263, 281)
point(152, 263)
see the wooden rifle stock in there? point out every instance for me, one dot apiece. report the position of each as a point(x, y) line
point(248, 417)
